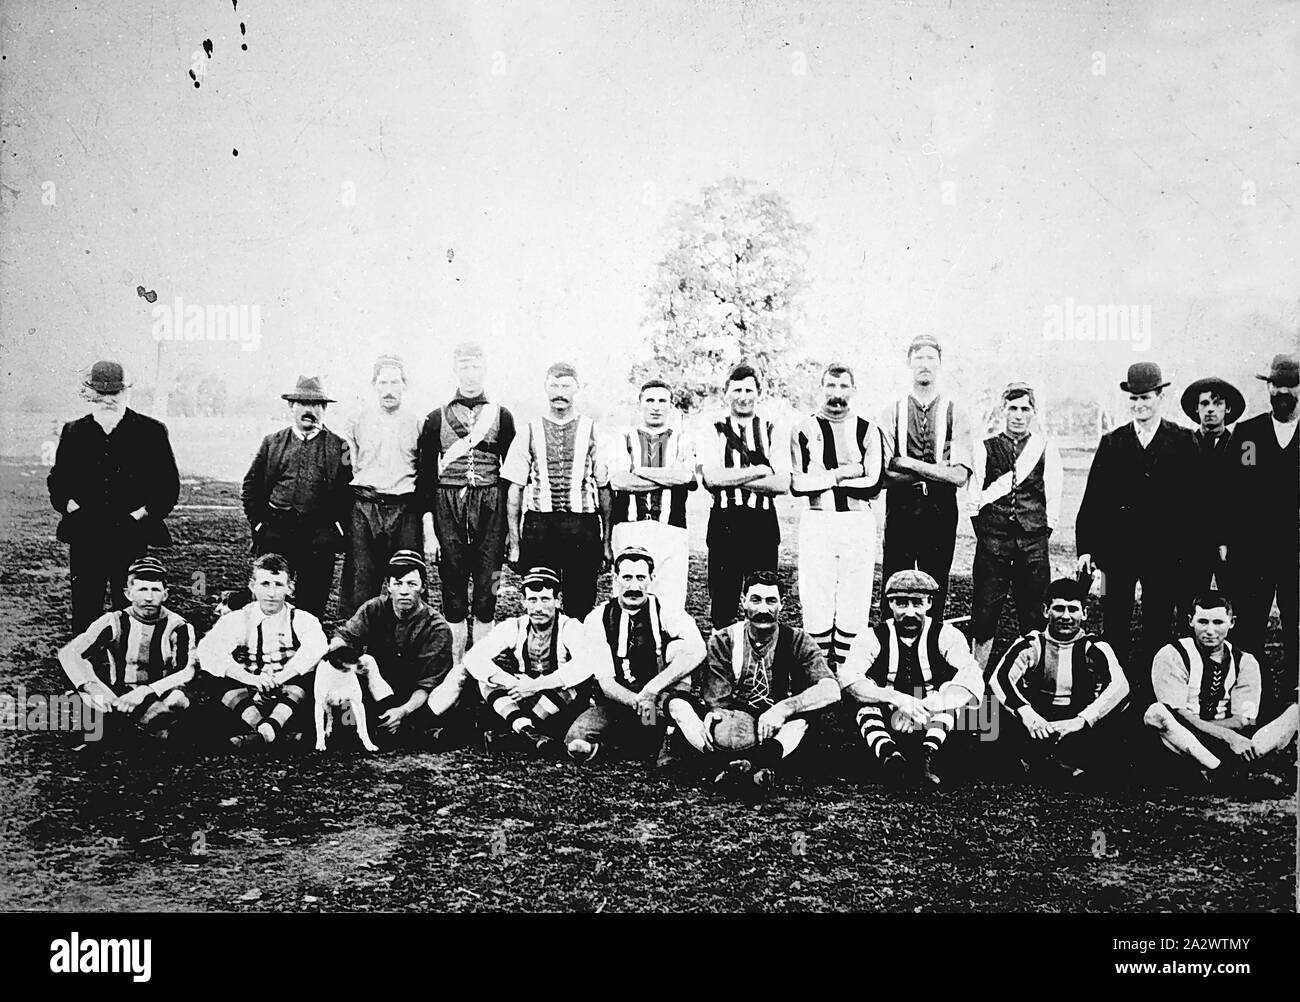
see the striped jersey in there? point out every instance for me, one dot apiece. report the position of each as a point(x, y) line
point(511, 647)
point(818, 445)
point(557, 465)
point(632, 647)
point(1040, 671)
point(665, 447)
point(249, 639)
point(937, 658)
point(137, 652)
point(1185, 678)
point(740, 444)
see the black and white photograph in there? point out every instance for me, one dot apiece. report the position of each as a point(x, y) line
point(680, 457)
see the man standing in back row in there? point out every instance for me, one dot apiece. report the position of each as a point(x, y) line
point(463, 497)
point(926, 445)
point(744, 472)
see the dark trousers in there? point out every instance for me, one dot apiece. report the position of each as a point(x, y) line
point(1008, 561)
point(740, 541)
point(380, 525)
point(470, 523)
point(920, 533)
point(568, 543)
point(310, 554)
point(1159, 575)
point(1255, 580)
point(1200, 566)
point(1086, 748)
point(96, 564)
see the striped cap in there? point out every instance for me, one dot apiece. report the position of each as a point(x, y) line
point(388, 362)
point(910, 582)
point(1018, 388)
point(149, 568)
point(924, 341)
point(404, 561)
point(540, 577)
point(634, 553)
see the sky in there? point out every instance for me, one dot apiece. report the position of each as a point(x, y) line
point(411, 175)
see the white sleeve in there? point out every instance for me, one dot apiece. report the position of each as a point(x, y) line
point(865, 650)
point(579, 667)
point(956, 651)
point(479, 660)
point(681, 626)
point(312, 647)
point(595, 648)
point(216, 648)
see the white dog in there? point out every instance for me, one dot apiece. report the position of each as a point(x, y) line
point(340, 688)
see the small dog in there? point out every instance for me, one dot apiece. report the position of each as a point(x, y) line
point(338, 687)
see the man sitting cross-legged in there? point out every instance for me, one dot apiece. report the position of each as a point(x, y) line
point(1207, 700)
point(406, 665)
point(529, 667)
point(144, 655)
point(911, 673)
point(639, 647)
point(264, 653)
point(1060, 688)
point(752, 696)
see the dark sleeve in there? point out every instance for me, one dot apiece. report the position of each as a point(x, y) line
point(253, 493)
point(714, 680)
point(59, 481)
point(356, 631)
point(809, 660)
point(433, 660)
point(1089, 524)
point(426, 461)
point(505, 432)
point(166, 485)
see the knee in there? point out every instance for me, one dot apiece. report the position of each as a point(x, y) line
point(1158, 717)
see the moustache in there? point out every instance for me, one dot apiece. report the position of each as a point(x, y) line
point(763, 617)
point(633, 594)
point(837, 402)
point(559, 400)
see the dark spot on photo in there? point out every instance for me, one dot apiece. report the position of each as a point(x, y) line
point(149, 297)
point(207, 47)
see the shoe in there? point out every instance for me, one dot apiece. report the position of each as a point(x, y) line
point(665, 756)
point(893, 771)
point(929, 778)
point(737, 770)
point(546, 746)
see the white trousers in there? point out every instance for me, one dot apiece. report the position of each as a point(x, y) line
point(670, 545)
point(837, 559)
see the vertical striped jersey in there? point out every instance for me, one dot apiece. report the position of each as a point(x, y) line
point(818, 445)
point(1040, 671)
point(937, 658)
point(660, 448)
point(741, 444)
point(1185, 678)
point(137, 652)
point(512, 647)
point(249, 639)
point(557, 465)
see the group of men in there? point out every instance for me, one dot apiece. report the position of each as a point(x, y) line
point(468, 489)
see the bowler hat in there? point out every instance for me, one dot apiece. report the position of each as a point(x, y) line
point(308, 391)
point(1231, 395)
point(107, 377)
point(1284, 371)
point(1143, 377)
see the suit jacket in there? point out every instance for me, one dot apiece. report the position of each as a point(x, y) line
point(110, 476)
point(1213, 473)
point(334, 498)
point(1262, 515)
point(1138, 503)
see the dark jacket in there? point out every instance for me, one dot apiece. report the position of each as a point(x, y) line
point(1139, 502)
point(1213, 473)
point(327, 486)
point(110, 476)
point(1262, 515)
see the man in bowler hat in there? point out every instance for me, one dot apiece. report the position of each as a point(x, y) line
point(297, 495)
point(1214, 405)
point(113, 483)
point(1263, 535)
point(1132, 523)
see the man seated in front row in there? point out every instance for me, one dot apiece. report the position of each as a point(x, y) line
point(1207, 699)
point(529, 668)
point(753, 694)
point(402, 649)
point(1060, 687)
point(144, 652)
point(639, 647)
point(264, 653)
point(910, 674)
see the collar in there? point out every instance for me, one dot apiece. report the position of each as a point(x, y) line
point(655, 432)
point(126, 411)
point(923, 407)
point(1047, 635)
point(755, 642)
point(301, 436)
point(465, 401)
point(847, 416)
point(1154, 429)
point(160, 618)
point(573, 416)
point(1207, 656)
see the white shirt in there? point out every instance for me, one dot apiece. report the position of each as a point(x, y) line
point(305, 437)
point(1285, 431)
point(1145, 439)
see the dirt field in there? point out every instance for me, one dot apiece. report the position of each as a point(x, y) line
point(464, 831)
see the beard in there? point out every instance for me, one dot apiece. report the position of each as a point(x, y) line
point(1283, 404)
point(908, 627)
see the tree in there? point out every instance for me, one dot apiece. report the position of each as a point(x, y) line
point(727, 291)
